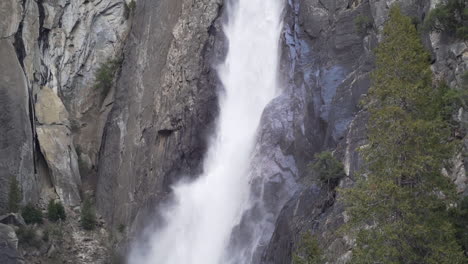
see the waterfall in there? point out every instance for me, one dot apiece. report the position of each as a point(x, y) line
point(199, 222)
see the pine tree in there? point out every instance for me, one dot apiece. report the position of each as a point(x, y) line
point(398, 208)
point(88, 215)
point(56, 211)
point(309, 251)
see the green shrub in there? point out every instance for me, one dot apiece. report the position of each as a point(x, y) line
point(88, 215)
point(121, 228)
point(31, 214)
point(363, 24)
point(129, 9)
point(53, 232)
point(451, 17)
point(309, 251)
point(105, 75)
point(328, 168)
point(14, 196)
point(56, 211)
point(27, 236)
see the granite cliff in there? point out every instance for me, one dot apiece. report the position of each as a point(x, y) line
point(62, 136)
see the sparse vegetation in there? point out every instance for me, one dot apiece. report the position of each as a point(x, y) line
point(129, 9)
point(31, 214)
point(132, 5)
point(105, 75)
point(88, 215)
point(56, 211)
point(328, 168)
point(450, 17)
point(27, 236)
point(363, 24)
point(14, 196)
point(309, 251)
point(121, 228)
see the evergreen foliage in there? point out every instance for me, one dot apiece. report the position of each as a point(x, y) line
point(105, 75)
point(329, 169)
point(459, 217)
point(121, 228)
point(363, 24)
point(129, 9)
point(88, 215)
point(56, 211)
point(398, 208)
point(309, 251)
point(27, 236)
point(31, 214)
point(450, 17)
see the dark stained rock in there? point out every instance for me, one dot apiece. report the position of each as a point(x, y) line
point(16, 142)
point(165, 102)
point(333, 63)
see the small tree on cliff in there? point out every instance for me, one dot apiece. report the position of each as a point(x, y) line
point(398, 211)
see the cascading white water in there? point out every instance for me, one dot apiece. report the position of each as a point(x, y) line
point(200, 220)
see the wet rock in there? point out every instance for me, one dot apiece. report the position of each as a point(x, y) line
point(164, 105)
point(333, 63)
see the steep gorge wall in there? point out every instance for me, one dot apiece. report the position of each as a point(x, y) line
point(165, 102)
point(336, 67)
point(51, 112)
point(150, 129)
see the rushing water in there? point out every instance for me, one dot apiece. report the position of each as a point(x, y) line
point(199, 222)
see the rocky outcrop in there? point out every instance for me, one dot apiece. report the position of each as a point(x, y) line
point(8, 246)
point(58, 44)
point(56, 143)
point(164, 103)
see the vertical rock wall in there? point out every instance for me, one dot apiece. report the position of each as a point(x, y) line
point(51, 50)
point(16, 140)
point(337, 65)
point(164, 104)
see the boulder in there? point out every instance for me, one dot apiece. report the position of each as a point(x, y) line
point(12, 219)
point(57, 147)
point(8, 246)
point(50, 109)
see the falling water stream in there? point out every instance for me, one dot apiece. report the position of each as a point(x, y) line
point(199, 223)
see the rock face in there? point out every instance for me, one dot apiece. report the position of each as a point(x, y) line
point(164, 103)
point(8, 246)
point(60, 132)
point(58, 44)
point(334, 64)
point(55, 141)
point(16, 141)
